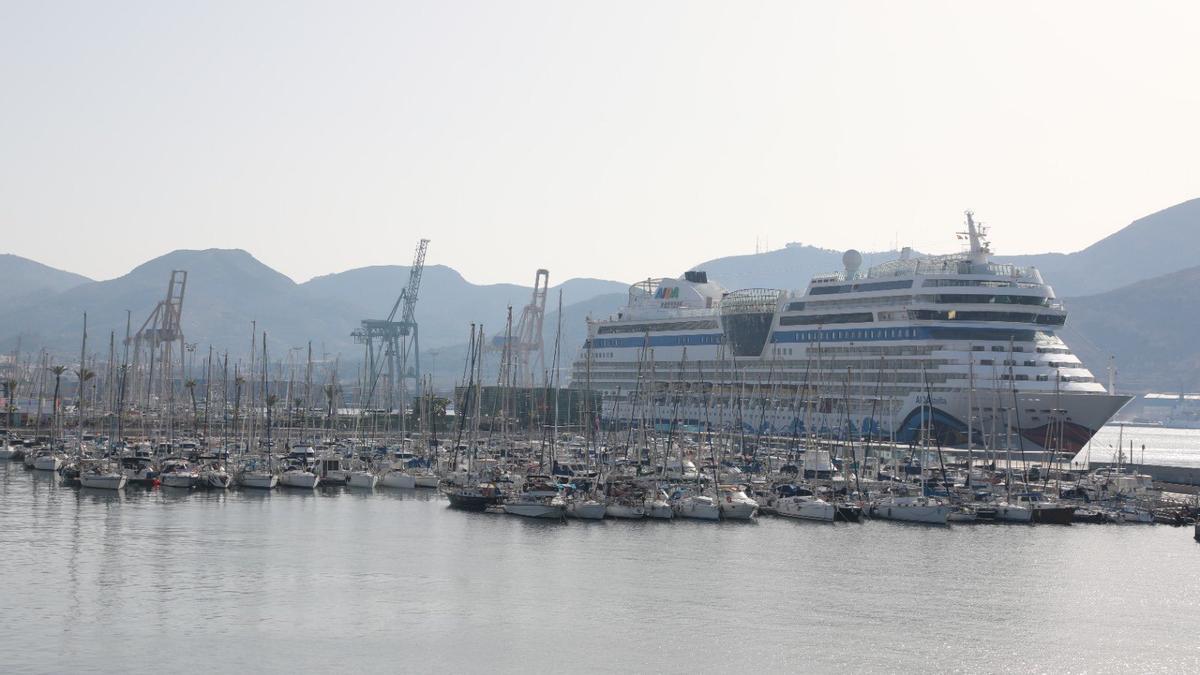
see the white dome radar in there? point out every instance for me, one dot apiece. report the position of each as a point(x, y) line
point(852, 260)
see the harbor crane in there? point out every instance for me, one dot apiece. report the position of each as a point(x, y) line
point(525, 348)
point(161, 330)
point(393, 343)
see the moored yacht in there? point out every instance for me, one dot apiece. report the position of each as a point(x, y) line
point(912, 509)
point(805, 507)
point(735, 504)
point(539, 498)
point(100, 475)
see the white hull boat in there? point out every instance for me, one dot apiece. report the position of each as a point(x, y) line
point(805, 508)
point(260, 480)
point(399, 479)
point(912, 510)
point(698, 508)
point(102, 481)
point(6, 452)
point(550, 508)
point(300, 479)
point(47, 463)
point(659, 509)
point(1013, 513)
point(427, 480)
point(735, 505)
point(588, 509)
point(182, 480)
point(363, 479)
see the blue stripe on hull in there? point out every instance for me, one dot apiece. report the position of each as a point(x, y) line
point(832, 335)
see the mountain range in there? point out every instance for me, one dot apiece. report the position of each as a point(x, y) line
point(1130, 295)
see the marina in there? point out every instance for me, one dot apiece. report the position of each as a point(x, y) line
point(285, 579)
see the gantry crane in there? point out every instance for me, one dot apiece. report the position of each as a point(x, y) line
point(524, 349)
point(160, 331)
point(394, 344)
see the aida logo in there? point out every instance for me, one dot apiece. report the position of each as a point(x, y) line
point(667, 293)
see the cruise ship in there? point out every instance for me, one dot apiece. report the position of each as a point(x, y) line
point(954, 349)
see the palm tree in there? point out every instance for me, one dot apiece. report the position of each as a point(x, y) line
point(237, 398)
point(85, 375)
point(191, 387)
point(58, 373)
point(10, 395)
point(272, 399)
point(331, 391)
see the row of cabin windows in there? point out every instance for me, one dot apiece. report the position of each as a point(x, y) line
point(659, 327)
point(987, 283)
point(997, 348)
point(1015, 317)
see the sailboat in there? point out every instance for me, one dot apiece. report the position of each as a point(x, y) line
point(100, 475)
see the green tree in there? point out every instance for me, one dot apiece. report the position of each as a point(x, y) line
point(58, 373)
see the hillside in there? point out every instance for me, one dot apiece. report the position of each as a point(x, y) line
point(1160, 243)
point(229, 289)
point(1150, 327)
point(25, 280)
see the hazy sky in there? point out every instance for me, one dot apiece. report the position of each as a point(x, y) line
point(608, 139)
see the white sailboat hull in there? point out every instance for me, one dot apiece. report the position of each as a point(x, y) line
point(738, 510)
point(920, 511)
point(260, 480)
point(1010, 513)
point(589, 510)
point(107, 481)
point(300, 479)
point(659, 510)
point(817, 509)
point(535, 510)
point(363, 479)
point(427, 481)
point(47, 463)
point(697, 510)
point(178, 480)
point(399, 479)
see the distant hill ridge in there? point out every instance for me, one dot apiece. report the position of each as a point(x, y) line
point(1131, 294)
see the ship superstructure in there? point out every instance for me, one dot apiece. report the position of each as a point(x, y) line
point(953, 347)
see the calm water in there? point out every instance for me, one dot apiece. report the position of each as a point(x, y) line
point(1164, 447)
point(151, 581)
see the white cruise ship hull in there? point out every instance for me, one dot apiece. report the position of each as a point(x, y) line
point(1032, 430)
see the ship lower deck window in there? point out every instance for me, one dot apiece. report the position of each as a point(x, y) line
point(982, 299)
point(823, 319)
